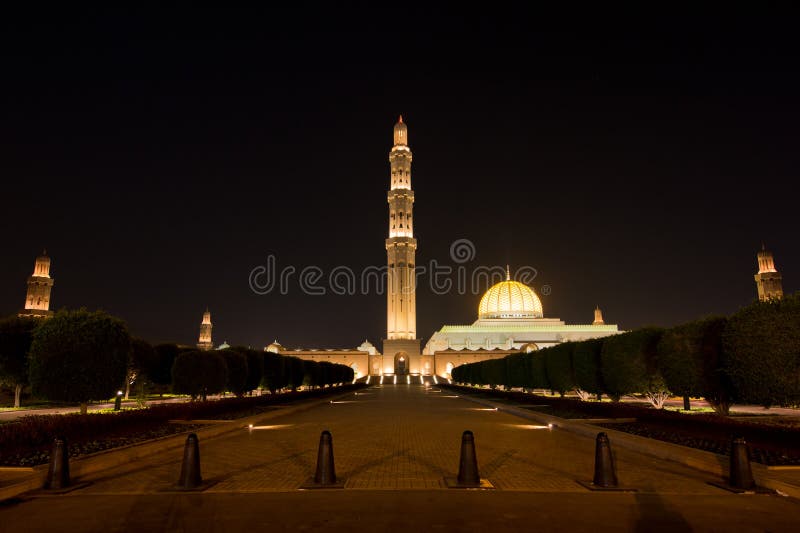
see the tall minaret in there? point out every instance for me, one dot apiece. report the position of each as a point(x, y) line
point(37, 301)
point(401, 247)
point(768, 280)
point(204, 343)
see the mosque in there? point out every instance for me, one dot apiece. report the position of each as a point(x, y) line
point(510, 314)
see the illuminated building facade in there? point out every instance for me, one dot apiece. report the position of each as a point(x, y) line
point(401, 347)
point(204, 341)
point(40, 284)
point(510, 320)
point(768, 280)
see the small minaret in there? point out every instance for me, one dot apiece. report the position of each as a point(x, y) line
point(768, 280)
point(204, 343)
point(598, 317)
point(37, 301)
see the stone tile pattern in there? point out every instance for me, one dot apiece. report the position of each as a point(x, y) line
point(400, 437)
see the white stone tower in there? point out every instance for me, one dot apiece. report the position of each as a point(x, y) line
point(401, 346)
point(204, 342)
point(37, 301)
point(768, 280)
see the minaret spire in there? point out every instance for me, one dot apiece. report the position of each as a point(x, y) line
point(508, 273)
point(768, 279)
point(598, 317)
point(401, 247)
point(204, 342)
point(40, 284)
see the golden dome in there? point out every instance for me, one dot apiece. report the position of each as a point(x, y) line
point(510, 299)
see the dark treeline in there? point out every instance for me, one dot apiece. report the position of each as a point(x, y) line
point(81, 356)
point(752, 356)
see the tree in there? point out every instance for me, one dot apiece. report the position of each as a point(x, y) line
point(199, 373)
point(255, 368)
point(586, 366)
point(79, 356)
point(494, 372)
point(16, 336)
point(628, 365)
point(558, 365)
point(517, 369)
point(276, 372)
point(538, 375)
point(689, 358)
point(295, 371)
point(236, 362)
point(761, 352)
point(143, 358)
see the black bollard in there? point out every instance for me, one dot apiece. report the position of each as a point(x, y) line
point(468, 475)
point(58, 472)
point(741, 476)
point(325, 475)
point(326, 472)
point(605, 475)
point(190, 469)
point(468, 464)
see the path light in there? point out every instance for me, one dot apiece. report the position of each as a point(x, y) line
point(118, 401)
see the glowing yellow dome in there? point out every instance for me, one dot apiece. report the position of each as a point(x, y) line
point(510, 299)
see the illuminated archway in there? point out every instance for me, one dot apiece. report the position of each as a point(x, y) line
point(401, 363)
point(448, 369)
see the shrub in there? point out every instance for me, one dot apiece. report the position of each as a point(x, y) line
point(586, 367)
point(494, 372)
point(16, 336)
point(199, 373)
point(627, 363)
point(160, 372)
point(79, 356)
point(236, 363)
point(538, 375)
point(276, 372)
point(761, 352)
point(517, 370)
point(255, 368)
point(689, 358)
point(558, 366)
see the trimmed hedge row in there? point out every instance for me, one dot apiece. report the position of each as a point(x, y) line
point(752, 356)
point(82, 356)
point(38, 431)
point(236, 369)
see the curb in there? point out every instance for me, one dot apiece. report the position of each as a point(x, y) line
point(107, 459)
point(779, 480)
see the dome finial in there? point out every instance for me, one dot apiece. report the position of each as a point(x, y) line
point(400, 120)
point(508, 273)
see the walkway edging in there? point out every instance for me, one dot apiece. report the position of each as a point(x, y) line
point(698, 459)
point(112, 458)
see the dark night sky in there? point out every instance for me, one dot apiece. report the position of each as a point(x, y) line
point(160, 156)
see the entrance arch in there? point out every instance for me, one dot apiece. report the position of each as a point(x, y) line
point(448, 370)
point(401, 363)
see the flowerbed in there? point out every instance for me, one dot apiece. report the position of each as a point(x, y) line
point(770, 443)
point(27, 440)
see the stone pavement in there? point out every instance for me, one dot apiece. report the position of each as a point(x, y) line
point(393, 445)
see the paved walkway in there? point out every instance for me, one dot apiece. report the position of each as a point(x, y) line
point(393, 445)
